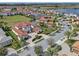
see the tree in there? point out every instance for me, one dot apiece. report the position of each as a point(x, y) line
point(1, 16)
point(3, 51)
point(74, 33)
point(38, 50)
point(0, 10)
point(7, 28)
point(49, 51)
point(1, 24)
point(4, 26)
point(24, 42)
point(68, 33)
point(53, 49)
point(13, 9)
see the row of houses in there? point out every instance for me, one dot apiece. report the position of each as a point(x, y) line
point(73, 20)
point(24, 10)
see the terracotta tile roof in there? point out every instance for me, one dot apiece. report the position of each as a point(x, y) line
point(42, 18)
point(21, 24)
point(76, 44)
point(20, 32)
point(24, 24)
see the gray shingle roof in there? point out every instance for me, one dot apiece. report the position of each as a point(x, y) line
point(3, 37)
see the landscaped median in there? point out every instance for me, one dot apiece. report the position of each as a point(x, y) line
point(37, 39)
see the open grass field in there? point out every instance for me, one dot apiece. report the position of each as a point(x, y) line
point(11, 20)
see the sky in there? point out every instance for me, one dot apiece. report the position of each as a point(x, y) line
point(39, 1)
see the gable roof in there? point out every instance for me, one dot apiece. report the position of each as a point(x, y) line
point(18, 28)
point(21, 24)
point(76, 44)
point(3, 37)
point(19, 32)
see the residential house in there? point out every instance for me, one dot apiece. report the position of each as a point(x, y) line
point(75, 47)
point(4, 40)
point(75, 21)
point(46, 20)
point(22, 29)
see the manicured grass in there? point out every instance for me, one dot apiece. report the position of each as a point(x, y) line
point(11, 20)
point(48, 30)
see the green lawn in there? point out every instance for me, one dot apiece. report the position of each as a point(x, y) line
point(15, 42)
point(46, 30)
point(11, 20)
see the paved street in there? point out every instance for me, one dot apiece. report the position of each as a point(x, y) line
point(32, 37)
point(59, 38)
point(66, 51)
point(28, 51)
point(65, 47)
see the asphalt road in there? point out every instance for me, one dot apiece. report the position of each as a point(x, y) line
point(58, 37)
